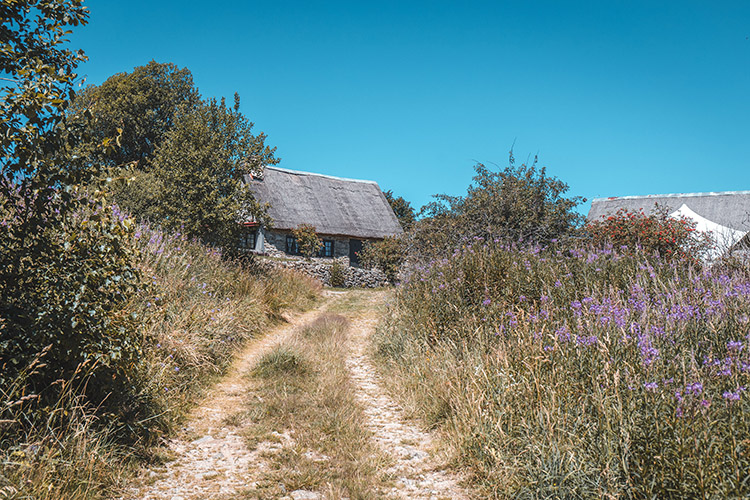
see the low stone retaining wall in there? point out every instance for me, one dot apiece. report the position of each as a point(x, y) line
point(354, 277)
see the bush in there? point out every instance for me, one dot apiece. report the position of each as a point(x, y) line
point(68, 299)
point(338, 279)
point(387, 255)
point(579, 373)
point(66, 256)
point(307, 240)
point(516, 204)
point(673, 238)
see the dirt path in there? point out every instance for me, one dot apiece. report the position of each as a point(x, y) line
point(211, 458)
point(417, 472)
point(213, 461)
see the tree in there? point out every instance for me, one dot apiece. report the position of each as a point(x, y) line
point(519, 204)
point(66, 263)
point(401, 208)
point(307, 240)
point(200, 168)
point(140, 107)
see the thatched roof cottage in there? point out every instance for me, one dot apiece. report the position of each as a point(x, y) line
point(345, 212)
point(726, 215)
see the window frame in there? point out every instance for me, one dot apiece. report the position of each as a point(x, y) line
point(292, 248)
point(248, 236)
point(326, 249)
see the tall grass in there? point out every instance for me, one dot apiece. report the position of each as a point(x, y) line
point(194, 309)
point(197, 309)
point(577, 373)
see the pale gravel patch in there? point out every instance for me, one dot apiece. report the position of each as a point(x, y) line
point(212, 459)
point(418, 472)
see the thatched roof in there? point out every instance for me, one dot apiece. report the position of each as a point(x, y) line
point(730, 208)
point(335, 206)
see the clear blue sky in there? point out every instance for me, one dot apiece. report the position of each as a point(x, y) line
point(616, 97)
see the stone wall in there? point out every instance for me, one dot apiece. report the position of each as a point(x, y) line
point(320, 269)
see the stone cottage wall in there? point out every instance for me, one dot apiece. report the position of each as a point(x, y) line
point(275, 245)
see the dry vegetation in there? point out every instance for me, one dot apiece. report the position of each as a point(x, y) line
point(302, 391)
point(194, 311)
point(574, 373)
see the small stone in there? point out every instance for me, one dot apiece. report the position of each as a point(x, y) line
point(203, 440)
point(305, 495)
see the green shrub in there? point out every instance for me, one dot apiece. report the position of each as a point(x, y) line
point(388, 255)
point(512, 205)
point(69, 300)
point(66, 257)
point(338, 279)
point(307, 240)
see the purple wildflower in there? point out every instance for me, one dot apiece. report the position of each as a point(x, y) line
point(731, 396)
point(695, 388)
point(735, 345)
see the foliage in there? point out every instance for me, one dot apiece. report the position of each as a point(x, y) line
point(200, 167)
point(194, 310)
point(68, 301)
point(338, 278)
point(401, 208)
point(388, 255)
point(673, 238)
point(142, 104)
point(577, 373)
point(307, 240)
point(66, 256)
point(516, 204)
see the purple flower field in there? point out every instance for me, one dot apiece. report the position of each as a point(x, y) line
point(581, 372)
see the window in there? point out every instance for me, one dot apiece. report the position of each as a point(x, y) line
point(327, 249)
point(291, 245)
point(247, 240)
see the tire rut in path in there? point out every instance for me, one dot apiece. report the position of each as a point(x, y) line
point(211, 458)
point(418, 474)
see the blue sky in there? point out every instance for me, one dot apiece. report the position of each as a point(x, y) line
point(616, 97)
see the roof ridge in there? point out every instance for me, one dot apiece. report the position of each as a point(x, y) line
point(671, 195)
point(299, 172)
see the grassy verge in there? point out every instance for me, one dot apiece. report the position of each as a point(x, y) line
point(578, 373)
point(193, 311)
point(302, 390)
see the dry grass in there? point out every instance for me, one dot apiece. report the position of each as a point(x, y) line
point(302, 389)
point(195, 310)
point(578, 373)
